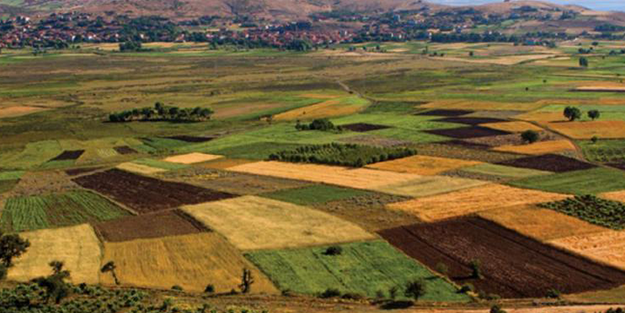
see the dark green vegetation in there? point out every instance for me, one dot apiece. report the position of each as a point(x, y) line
point(323, 124)
point(162, 113)
point(530, 136)
point(604, 151)
point(361, 268)
point(340, 154)
point(592, 181)
point(316, 194)
point(592, 209)
point(54, 210)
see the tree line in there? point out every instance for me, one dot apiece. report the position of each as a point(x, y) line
point(161, 112)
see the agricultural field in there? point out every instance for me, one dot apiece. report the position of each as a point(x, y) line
point(284, 225)
point(592, 209)
point(56, 210)
point(361, 268)
point(503, 255)
point(592, 181)
point(315, 194)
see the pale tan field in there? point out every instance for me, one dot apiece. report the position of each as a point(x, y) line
point(542, 117)
point(76, 246)
point(472, 200)
point(542, 224)
point(507, 60)
point(139, 168)
point(542, 147)
point(191, 158)
point(190, 261)
point(513, 127)
point(223, 163)
point(272, 224)
point(361, 178)
point(606, 247)
point(422, 165)
point(481, 105)
point(614, 195)
point(19, 111)
point(587, 130)
point(430, 185)
point(327, 108)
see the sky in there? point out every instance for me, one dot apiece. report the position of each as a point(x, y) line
point(614, 5)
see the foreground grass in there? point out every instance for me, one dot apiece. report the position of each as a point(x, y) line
point(363, 268)
point(316, 194)
point(592, 181)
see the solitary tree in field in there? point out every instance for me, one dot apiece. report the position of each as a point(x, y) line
point(415, 289)
point(246, 281)
point(594, 139)
point(11, 246)
point(476, 269)
point(55, 286)
point(530, 136)
point(572, 113)
point(594, 114)
point(583, 62)
point(110, 267)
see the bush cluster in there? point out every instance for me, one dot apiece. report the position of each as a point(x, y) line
point(162, 113)
point(342, 154)
point(322, 124)
point(592, 209)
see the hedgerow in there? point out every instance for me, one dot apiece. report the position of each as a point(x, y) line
point(342, 154)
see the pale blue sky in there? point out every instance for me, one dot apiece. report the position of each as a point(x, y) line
point(616, 5)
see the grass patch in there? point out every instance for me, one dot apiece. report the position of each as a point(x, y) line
point(342, 154)
point(160, 164)
point(503, 171)
point(71, 208)
point(362, 268)
point(592, 181)
point(592, 209)
point(253, 151)
point(316, 194)
point(604, 151)
point(11, 175)
point(7, 185)
point(397, 107)
point(162, 143)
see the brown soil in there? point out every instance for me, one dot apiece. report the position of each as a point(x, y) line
point(512, 265)
point(445, 113)
point(377, 141)
point(155, 225)
point(69, 155)
point(146, 194)
point(549, 162)
point(123, 150)
point(363, 127)
point(510, 139)
point(463, 153)
point(470, 120)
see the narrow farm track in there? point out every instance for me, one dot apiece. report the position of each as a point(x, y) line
point(578, 148)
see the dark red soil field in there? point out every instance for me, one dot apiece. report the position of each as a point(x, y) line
point(155, 225)
point(549, 162)
point(146, 194)
point(445, 113)
point(512, 265)
point(470, 120)
point(620, 166)
point(123, 150)
point(363, 127)
point(69, 155)
point(191, 138)
point(467, 144)
point(78, 171)
point(467, 132)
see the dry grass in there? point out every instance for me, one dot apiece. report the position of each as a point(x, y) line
point(76, 246)
point(139, 168)
point(430, 185)
point(327, 108)
point(542, 117)
point(481, 105)
point(189, 261)
point(274, 224)
point(507, 60)
point(513, 127)
point(191, 158)
point(607, 247)
point(223, 163)
point(615, 195)
point(15, 111)
point(587, 130)
point(361, 178)
point(542, 224)
point(472, 200)
point(542, 147)
point(423, 165)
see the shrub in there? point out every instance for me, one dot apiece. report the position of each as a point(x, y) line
point(594, 114)
point(530, 136)
point(497, 309)
point(466, 288)
point(415, 289)
point(177, 288)
point(572, 113)
point(353, 296)
point(553, 293)
point(333, 250)
point(330, 293)
point(210, 288)
point(476, 269)
point(392, 292)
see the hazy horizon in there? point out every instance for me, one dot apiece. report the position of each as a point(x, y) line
point(614, 5)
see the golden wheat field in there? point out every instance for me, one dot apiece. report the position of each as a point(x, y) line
point(513, 127)
point(190, 158)
point(589, 129)
point(539, 223)
point(139, 168)
point(223, 163)
point(422, 165)
point(606, 247)
point(472, 200)
point(327, 108)
point(77, 246)
point(481, 105)
point(542, 147)
point(273, 224)
point(190, 261)
point(430, 185)
point(614, 195)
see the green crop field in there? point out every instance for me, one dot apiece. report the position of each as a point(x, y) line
point(592, 181)
point(55, 210)
point(363, 268)
point(602, 212)
point(341, 154)
point(604, 151)
point(160, 164)
point(315, 194)
point(503, 171)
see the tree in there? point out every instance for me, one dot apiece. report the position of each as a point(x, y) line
point(55, 286)
point(583, 62)
point(110, 267)
point(392, 292)
point(530, 136)
point(572, 113)
point(415, 289)
point(496, 309)
point(476, 269)
point(594, 139)
point(11, 246)
point(594, 114)
point(246, 281)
